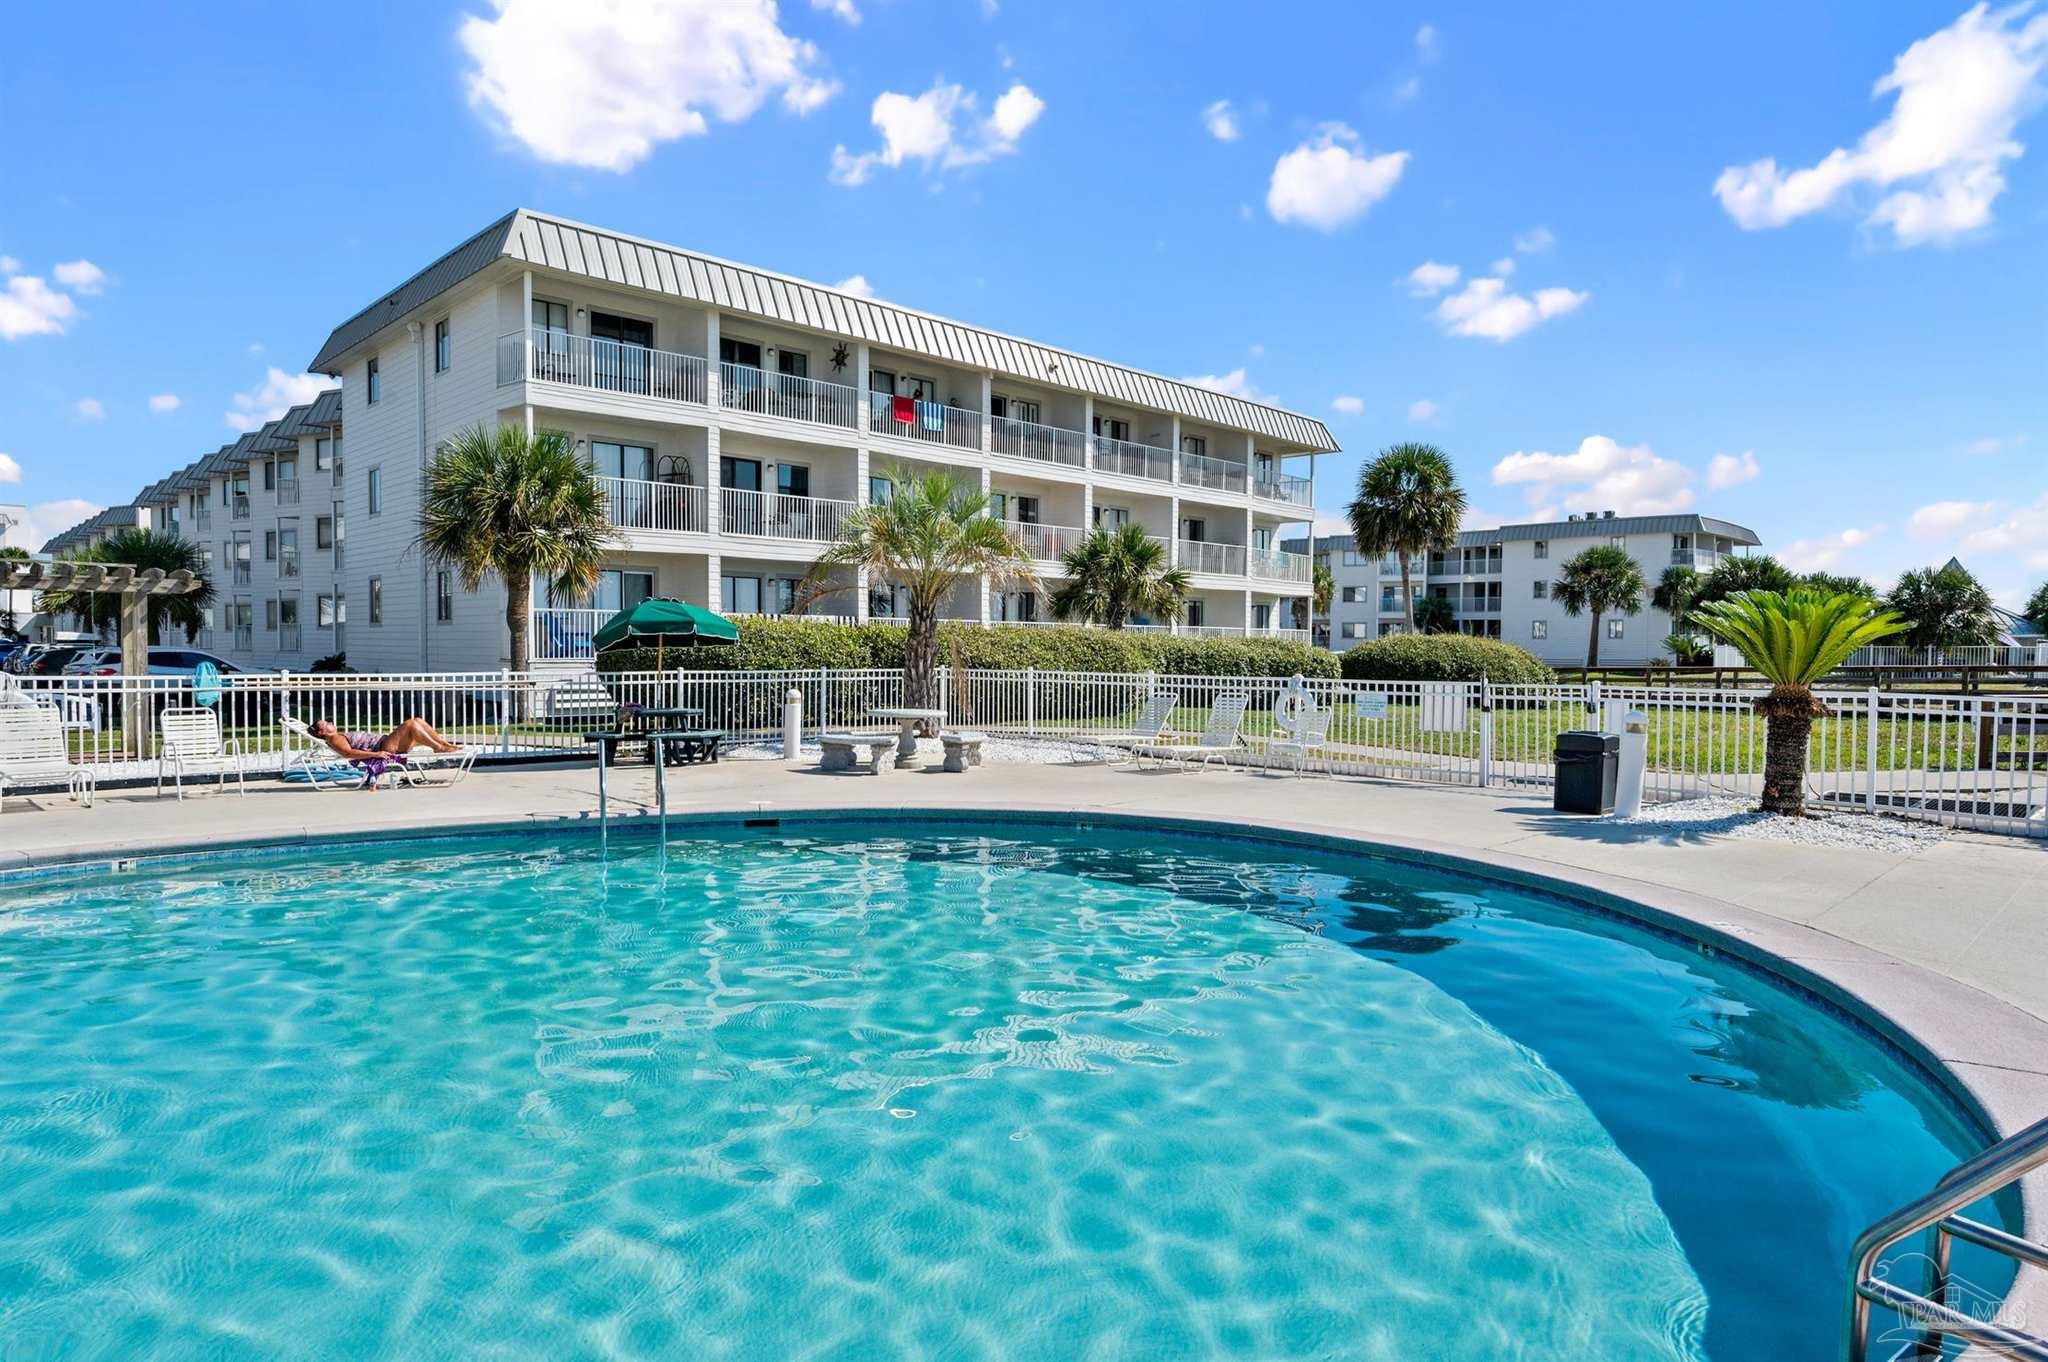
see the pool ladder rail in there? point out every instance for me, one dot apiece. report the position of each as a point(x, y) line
point(1992, 1171)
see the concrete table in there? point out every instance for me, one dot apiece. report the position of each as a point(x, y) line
point(907, 721)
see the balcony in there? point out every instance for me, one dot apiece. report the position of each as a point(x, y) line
point(288, 639)
point(1278, 565)
point(1045, 542)
point(634, 504)
point(241, 575)
point(930, 422)
point(778, 516)
point(288, 565)
point(288, 494)
point(562, 634)
point(1218, 475)
point(1198, 555)
point(607, 366)
point(202, 519)
point(245, 637)
point(1285, 487)
point(744, 388)
point(238, 506)
point(1132, 460)
point(1047, 444)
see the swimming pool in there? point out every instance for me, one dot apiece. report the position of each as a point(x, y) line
point(864, 1089)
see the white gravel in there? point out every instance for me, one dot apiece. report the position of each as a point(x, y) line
point(1050, 752)
point(1737, 816)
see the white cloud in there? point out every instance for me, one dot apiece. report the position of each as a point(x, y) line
point(50, 518)
point(1348, 405)
point(1504, 266)
point(1730, 470)
point(1221, 121)
point(9, 265)
point(1476, 518)
point(2021, 530)
point(1535, 241)
point(857, 285)
point(1426, 42)
point(165, 402)
point(1960, 92)
point(30, 307)
point(940, 130)
point(1994, 444)
point(1814, 555)
point(1422, 410)
point(1236, 383)
point(1431, 278)
point(1944, 519)
point(89, 409)
point(1484, 308)
point(1600, 475)
point(10, 471)
point(602, 83)
point(1329, 181)
point(278, 393)
point(80, 276)
point(838, 9)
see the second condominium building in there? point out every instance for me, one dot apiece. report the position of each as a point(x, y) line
point(735, 417)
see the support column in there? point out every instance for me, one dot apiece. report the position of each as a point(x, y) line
point(713, 375)
point(714, 483)
point(860, 596)
point(1173, 443)
point(714, 587)
point(1173, 532)
point(988, 384)
point(1247, 610)
point(864, 404)
point(134, 627)
point(985, 481)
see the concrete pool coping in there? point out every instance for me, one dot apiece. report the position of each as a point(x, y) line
point(1991, 1055)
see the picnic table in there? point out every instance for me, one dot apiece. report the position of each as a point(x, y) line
point(676, 726)
point(907, 720)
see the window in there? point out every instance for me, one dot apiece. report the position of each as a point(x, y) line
point(288, 612)
point(323, 531)
point(551, 317)
point(288, 473)
point(323, 456)
point(1542, 589)
point(792, 479)
point(1112, 517)
point(270, 475)
point(373, 485)
point(881, 491)
point(1353, 558)
point(1113, 428)
point(1195, 614)
point(373, 382)
point(622, 461)
point(444, 597)
point(740, 595)
point(1614, 628)
point(999, 505)
point(1539, 628)
point(442, 346)
point(376, 600)
point(1619, 541)
point(793, 364)
point(1262, 616)
point(324, 613)
point(1194, 444)
point(1016, 408)
point(270, 614)
point(1543, 548)
point(270, 546)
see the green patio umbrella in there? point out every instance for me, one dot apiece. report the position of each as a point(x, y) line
point(661, 620)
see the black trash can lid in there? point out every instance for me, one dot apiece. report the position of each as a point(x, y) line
point(1581, 740)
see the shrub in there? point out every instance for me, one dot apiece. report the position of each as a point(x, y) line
point(1444, 657)
point(1688, 651)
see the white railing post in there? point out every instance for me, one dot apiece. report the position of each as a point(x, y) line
point(1031, 700)
point(1485, 733)
point(1870, 749)
point(504, 712)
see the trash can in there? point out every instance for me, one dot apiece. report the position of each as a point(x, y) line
point(1587, 765)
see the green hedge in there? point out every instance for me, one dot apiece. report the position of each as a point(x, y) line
point(1444, 657)
point(794, 645)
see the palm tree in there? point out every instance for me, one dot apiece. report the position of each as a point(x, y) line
point(2037, 607)
point(1435, 615)
point(1837, 584)
point(144, 550)
point(1675, 593)
point(501, 502)
point(1408, 503)
point(1943, 607)
point(9, 625)
point(1751, 572)
point(1322, 590)
point(930, 534)
point(1115, 574)
point(1602, 580)
point(1794, 638)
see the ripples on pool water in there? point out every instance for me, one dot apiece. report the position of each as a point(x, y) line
point(1004, 1093)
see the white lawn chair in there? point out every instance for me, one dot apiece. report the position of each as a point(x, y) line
point(1310, 737)
point(34, 751)
point(1220, 737)
point(189, 740)
point(322, 768)
point(1147, 729)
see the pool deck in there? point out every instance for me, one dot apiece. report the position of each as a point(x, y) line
point(1948, 943)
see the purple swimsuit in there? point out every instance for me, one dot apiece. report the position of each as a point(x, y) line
point(377, 765)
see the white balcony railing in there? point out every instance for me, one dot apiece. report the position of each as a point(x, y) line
point(245, 637)
point(1279, 565)
point(745, 388)
point(1221, 475)
point(238, 506)
point(1285, 487)
point(930, 422)
point(1200, 556)
point(778, 516)
point(610, 366)
point(289, 639)
point(288, 494)
point(562, 633)
point(1045, 542)
point(241, 574)
point(636, 504)
point(1047, 444)
point(1133, 460)
point(288, 565)
point(202, 519)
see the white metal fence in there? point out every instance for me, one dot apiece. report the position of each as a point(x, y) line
point(2007, 655)
point(1966, 760)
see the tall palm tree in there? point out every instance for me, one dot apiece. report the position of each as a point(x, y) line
point(1408, 503)
point(1435, 615)
point(1675, 592)
point(1943, 607)
point(1745, 572)
point(2037, 607)
point(144, 549)
point(1603, 580)
point(500, 502)
point(1794, 638)
point(1115, 574)
point(1322, 590)
point(933, 532)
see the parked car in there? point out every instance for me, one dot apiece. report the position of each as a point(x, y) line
point(48, 659)
point(164, 660)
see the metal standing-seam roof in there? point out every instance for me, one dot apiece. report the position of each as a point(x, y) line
point(575, 248)
point(322, 413)
point(1581, 528)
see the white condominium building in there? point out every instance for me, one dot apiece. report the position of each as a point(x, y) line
point(736, 416)
point(1498, 583)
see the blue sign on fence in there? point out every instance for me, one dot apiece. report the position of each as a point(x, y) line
point(1371, 705)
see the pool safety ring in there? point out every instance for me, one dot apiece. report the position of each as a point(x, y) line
point(1293, 707)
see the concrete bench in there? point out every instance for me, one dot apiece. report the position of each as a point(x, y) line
point(963, 749)
point(842, 751)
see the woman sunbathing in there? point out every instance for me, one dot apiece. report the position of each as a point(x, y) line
point(377, 755)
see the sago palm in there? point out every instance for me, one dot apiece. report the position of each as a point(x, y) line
point(1603, 580)
point(1115, 574)
point(1408, 503)
point(1794, 639)
point(931, 534)
point(144, 550)
point(501, 503)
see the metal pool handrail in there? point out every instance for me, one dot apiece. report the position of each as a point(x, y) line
point(1992, 1171)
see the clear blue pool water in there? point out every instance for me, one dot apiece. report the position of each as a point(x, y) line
point(837, 1092)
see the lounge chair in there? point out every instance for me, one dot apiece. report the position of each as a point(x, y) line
point(34, 751)
point(316, 764)
point(1220, 737)
point(189, 740)
point(1311, 737)
point(1149, 727)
